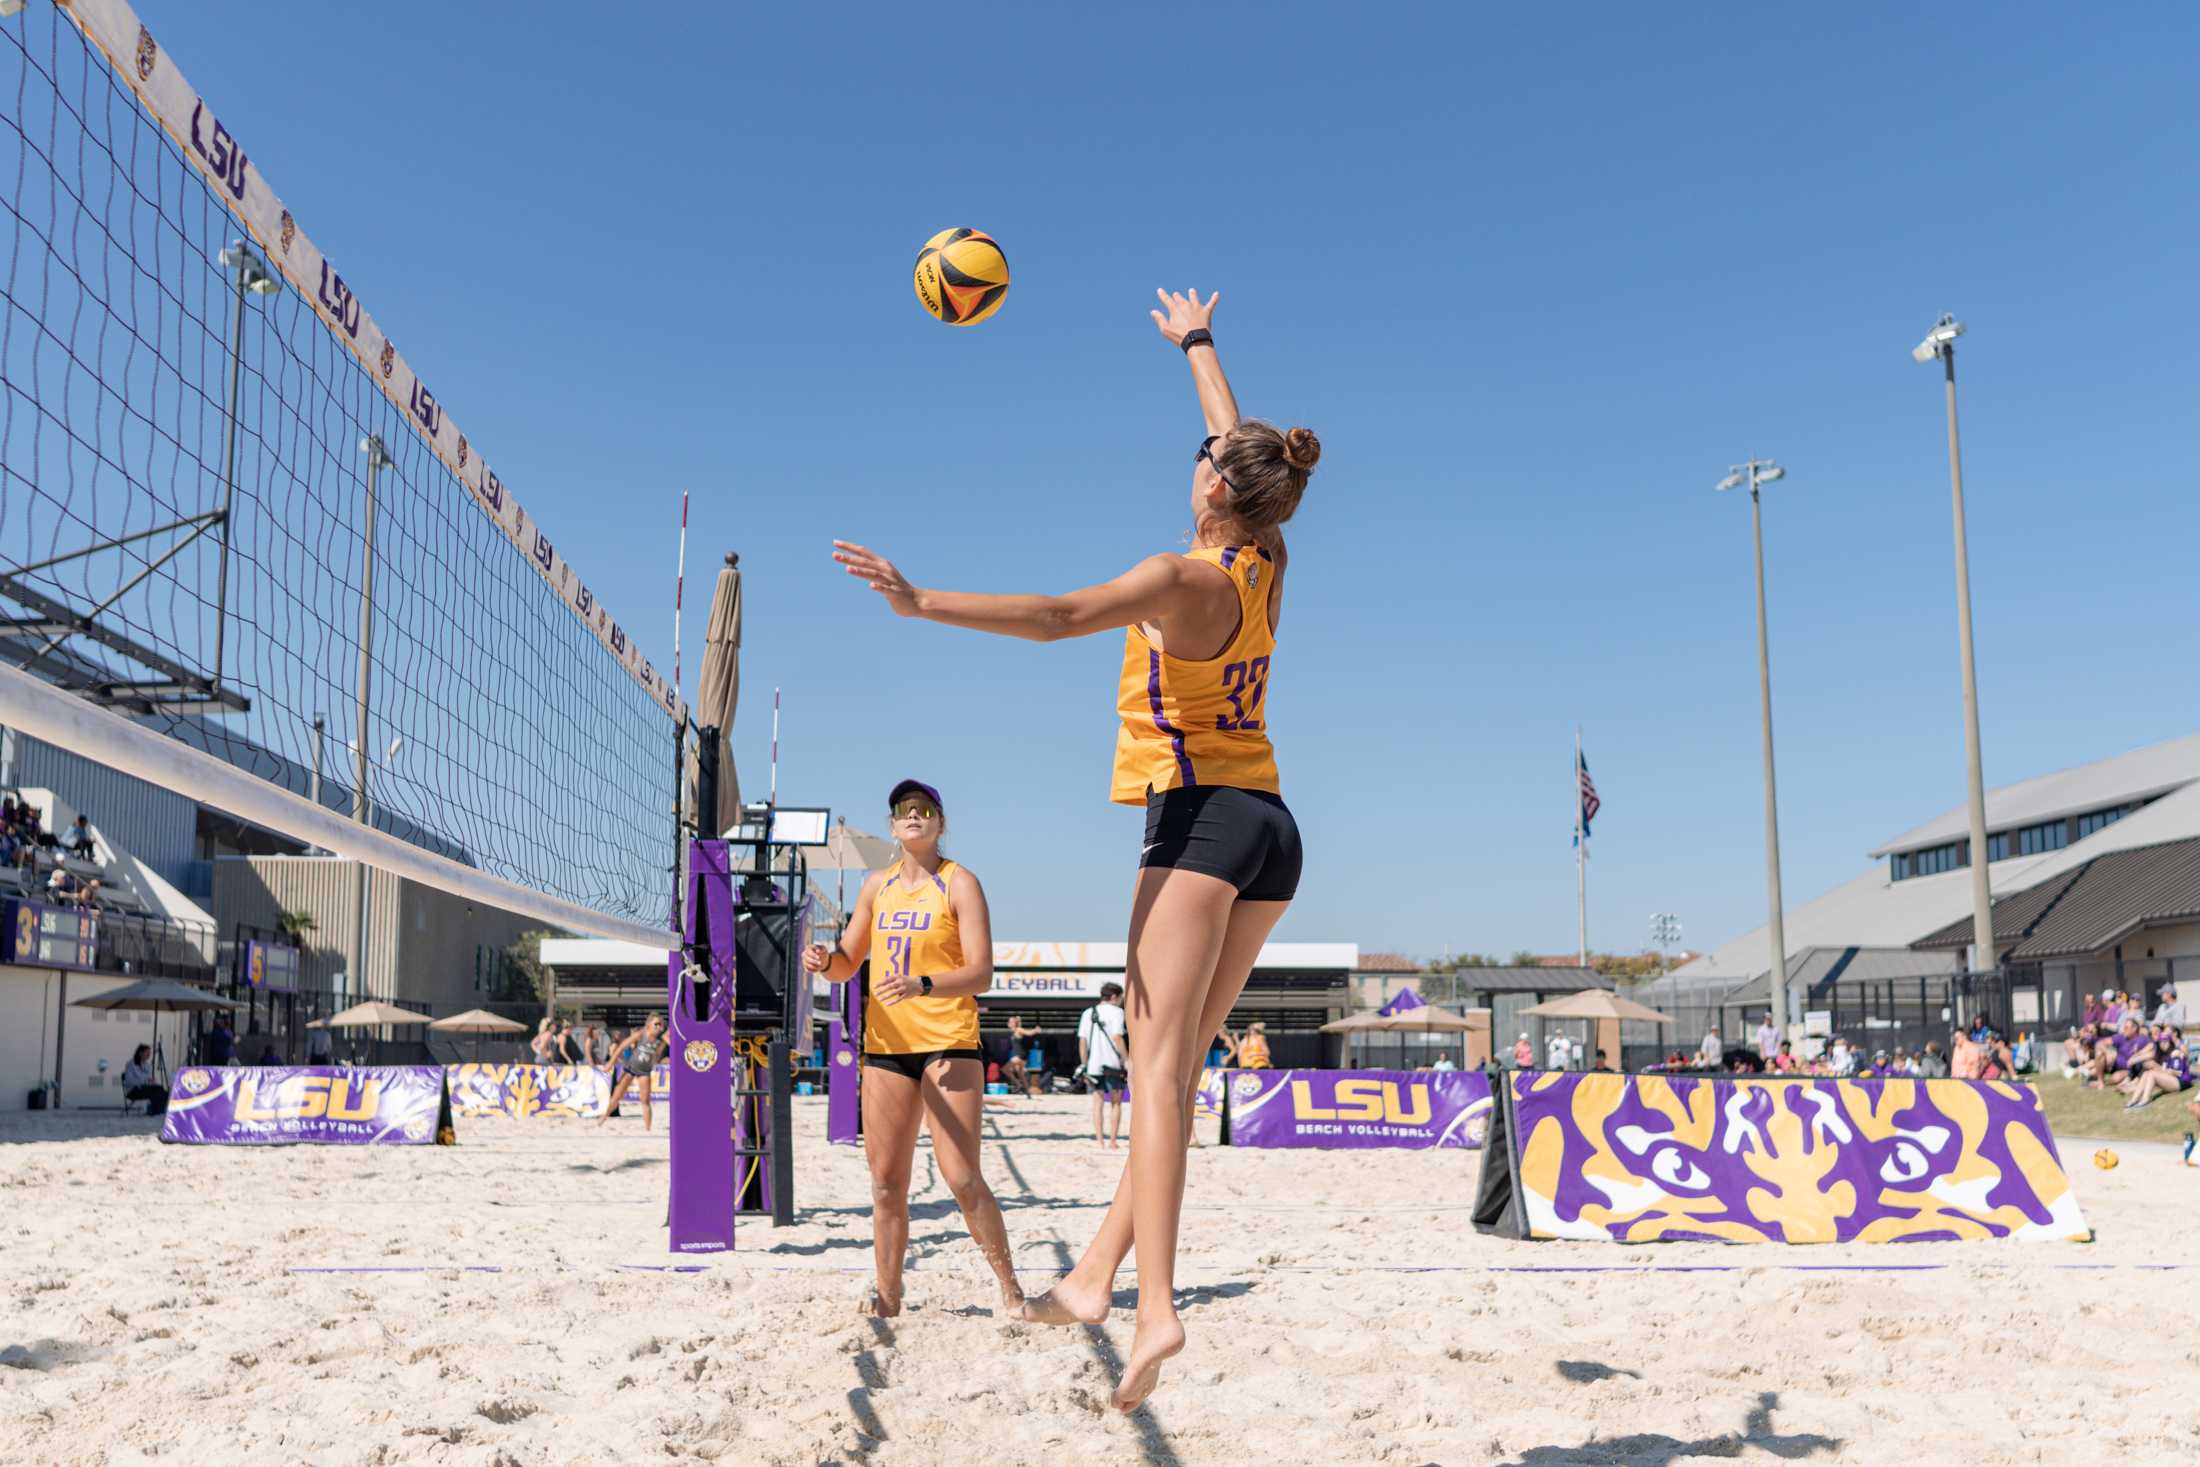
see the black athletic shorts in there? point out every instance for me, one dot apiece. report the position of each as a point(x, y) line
point(913, 1065)
point(1244, 837)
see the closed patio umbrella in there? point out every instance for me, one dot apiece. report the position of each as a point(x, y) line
point(718, 698)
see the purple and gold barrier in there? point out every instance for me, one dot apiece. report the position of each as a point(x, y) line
point(1213, 1094)
point(578, 1092)
point(1640, 1158)
point(391, 1105)
point(1413, 1109)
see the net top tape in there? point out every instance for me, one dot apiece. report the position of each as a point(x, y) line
point(220, 158)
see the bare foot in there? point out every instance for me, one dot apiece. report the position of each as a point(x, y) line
point(878, 1305)
point(1153, 1345)
point(1013, 1303)
point(1070, 1301)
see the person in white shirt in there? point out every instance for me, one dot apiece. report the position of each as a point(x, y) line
point(2170, 1012)
point(1711, 1055)
point(1768, 1040)
point(1104, 1059)
point(137, 1081)
point(1843, 1057)
point(1443, 1062)
point(1556, 1051)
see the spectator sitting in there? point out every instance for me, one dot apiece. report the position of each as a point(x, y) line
point(2078, 1049)
point(80, 841)
point(137, 1082)
point(1603, 1066)
point(1966, 1057)
point(1843, 1059)
point(2170, 1012)
point(2091, 1011)
point(1784, 1060)
point(1931, 1065)
point(1443, 1061)
point(1523, 1054)
point(1998, 1063)
point(2123, 1056)
point(2112, 1011)
point(268, 1055)
point(2171, 1073)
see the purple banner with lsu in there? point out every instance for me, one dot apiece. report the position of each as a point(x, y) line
point(391, 1105)
point(1640, 1158)
point(1350, 1109)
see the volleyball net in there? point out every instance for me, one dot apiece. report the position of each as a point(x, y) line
point(247, 553)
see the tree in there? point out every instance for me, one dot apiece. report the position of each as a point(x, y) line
point(295, 926)
point(523, 968)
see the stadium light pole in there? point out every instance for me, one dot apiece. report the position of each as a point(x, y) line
point(240, 260)
point(1941, 342)
point(378, 459)
point(1665, 931)
point(1756, 472)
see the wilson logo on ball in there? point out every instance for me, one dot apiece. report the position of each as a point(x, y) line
point(961, 276)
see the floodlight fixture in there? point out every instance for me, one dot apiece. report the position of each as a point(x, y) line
point(1731, 481)
point(239, 256)
point(1942, 338)
point(1767, 475)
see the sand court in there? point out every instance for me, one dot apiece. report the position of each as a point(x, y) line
point(509, 1300)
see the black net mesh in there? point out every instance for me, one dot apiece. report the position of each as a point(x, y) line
point(520, 745)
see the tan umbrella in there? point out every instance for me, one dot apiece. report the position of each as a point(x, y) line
point(850, 849)
point(1597, 1003)
point(718, 697)
point(478, 1022)
point(1603, 1008)
point(1427, 1019)
point(158, 996)
point(370, 1016)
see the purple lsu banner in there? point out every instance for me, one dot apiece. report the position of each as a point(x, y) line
point(1639, 1158)
point(392, 1105)
point(1413, 1109)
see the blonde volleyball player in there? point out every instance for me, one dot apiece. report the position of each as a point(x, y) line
point(1221, 859)
point(923, 924)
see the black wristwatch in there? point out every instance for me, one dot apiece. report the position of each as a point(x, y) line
point(924, 985)
point(1200, 337)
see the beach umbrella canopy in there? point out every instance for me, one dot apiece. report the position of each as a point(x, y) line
point(1406, 999)
point(850, 849)
point(369, 1016)
point(1363, 1023)
point(157, 995)
point(1597, 1003)
point(479, 1021)
point(718, 697)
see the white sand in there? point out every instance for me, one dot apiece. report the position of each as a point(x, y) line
point(151, 1314)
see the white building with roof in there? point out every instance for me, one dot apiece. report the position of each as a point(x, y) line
point(1889, 925)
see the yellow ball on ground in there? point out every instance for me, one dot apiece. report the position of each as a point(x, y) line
point(962, 276)
point(2105, 1159)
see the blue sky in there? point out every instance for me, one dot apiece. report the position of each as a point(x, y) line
point(1536, 275)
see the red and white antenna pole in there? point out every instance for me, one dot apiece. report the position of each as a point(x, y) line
point(679, 589)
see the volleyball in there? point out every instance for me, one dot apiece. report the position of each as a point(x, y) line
point(2105, 1159)
point(962, 276)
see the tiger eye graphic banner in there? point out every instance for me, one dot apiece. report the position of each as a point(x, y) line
point(1643, 1158)
point(389, 1105)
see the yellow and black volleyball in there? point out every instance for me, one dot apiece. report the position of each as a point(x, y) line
point(962, 276)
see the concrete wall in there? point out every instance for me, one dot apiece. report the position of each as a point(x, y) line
point(421, 941)
point(31, 1009)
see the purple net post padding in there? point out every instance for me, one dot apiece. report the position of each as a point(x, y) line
point(1354, 1109)
point(844, 1067)
point(385, 1105)
point(700, 1217)
point(1644, 1158)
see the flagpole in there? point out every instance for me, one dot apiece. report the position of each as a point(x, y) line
point(1581, 852)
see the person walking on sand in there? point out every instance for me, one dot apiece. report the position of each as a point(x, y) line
point(924, 924)
point(1221, 856)
point(1104, 1059)
point(636, 1060)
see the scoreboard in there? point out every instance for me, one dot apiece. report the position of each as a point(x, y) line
point(271, 967)
point(41, 935)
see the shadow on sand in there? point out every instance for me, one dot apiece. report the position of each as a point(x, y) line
point(1654, 1449)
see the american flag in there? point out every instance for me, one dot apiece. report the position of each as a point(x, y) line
point(1590, 804)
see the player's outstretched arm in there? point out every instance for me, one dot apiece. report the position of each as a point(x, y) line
point(1180, 315)
point(1154, 590)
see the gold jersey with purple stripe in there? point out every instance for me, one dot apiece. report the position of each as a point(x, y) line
point(914, 934)
point(1190, 722)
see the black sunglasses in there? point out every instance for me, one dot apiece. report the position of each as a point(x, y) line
point(1207, 452)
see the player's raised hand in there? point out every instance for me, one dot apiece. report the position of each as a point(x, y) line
point(876, 569)
point(1183, 313)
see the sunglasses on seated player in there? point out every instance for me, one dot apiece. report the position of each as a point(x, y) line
point(916, 810)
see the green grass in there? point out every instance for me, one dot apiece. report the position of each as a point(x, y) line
point(2076, 1112)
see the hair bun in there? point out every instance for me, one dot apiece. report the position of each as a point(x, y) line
point(1301, 449)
